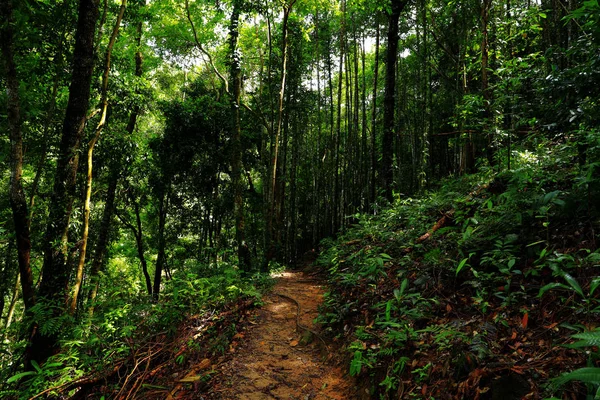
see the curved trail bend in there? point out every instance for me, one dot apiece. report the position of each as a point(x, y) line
point(278, 357)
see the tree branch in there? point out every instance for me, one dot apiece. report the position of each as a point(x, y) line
point(206, 53)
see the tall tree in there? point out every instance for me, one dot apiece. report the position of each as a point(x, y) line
point(236, 154)
point(389, 101)
point(373, 186)
point(55, 271)
point(102, 242)
point(275, 199)
point(90, 158)
point(18, 202)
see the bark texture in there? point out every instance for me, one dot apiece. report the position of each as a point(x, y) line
point(56, 271)
point(18, 202)
point(389, 100)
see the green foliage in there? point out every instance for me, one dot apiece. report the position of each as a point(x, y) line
point(497, 255)
point(589, 375)
point(124, 320)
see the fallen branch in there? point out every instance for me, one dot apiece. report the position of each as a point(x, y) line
point(442, 222)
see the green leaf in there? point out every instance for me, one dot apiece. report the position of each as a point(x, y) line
point(403, 286)
point(388, 311)
point(592, 337)
point(585, 375)
point(574, 284)
point(549, 196)
point(17, 377)
point(356, 363)
point(36, 366)
point(594, 285)
point(461, 265)
point(550, 286)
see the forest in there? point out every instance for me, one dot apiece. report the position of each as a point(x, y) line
point(434, 163)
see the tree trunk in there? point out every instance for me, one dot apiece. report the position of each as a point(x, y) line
point(244, 261)
point(102, 243)
point(90, 156)
point(139, 241)
point(338, 130)
point(109, 204)
point(17, 200)
point(365, 159)
point(487, 94)
point(161, 256)
point(374, 119)
point(13, 304)
point(389, 101)
point(55, 272)
point(270, 253)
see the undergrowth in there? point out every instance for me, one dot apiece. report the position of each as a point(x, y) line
point(123, 324)
point(474, 289)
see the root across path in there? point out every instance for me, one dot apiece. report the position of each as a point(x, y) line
point(281, 355)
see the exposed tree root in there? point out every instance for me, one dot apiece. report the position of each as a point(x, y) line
point(298, 324)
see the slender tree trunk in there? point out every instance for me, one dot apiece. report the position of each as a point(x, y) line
point(365, 158)
point(374, 119)
point(13, 303)
point(273, 186)
point(109, 204)
point(244, 260)
point(17, 200)
point(282, 178)
point(487, 94)
point(102, 243)
point(139, 241)
point(389, 101)
point(161, 256)
point(357, 183)
point(90, 155)
point(293, 189)
point(318, 164)
point(338, 130)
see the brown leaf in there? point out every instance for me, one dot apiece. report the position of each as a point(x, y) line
point(551, 326)
point(294, 343)
point(525, 320)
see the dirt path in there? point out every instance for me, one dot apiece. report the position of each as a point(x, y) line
point(276, 360)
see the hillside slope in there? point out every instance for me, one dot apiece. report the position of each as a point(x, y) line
point(475, 289)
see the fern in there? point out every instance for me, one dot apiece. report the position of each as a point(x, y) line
point(588, 339)
point(356, 364)
point(585, 375)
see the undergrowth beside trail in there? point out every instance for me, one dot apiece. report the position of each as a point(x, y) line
point(478, 289)
point(130, 347)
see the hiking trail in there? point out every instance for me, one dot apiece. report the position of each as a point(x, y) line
point(281, 355)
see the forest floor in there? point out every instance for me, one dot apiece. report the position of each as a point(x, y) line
point(281, 355)
point(278, 353)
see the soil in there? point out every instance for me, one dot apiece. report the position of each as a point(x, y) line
point(281, 355)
